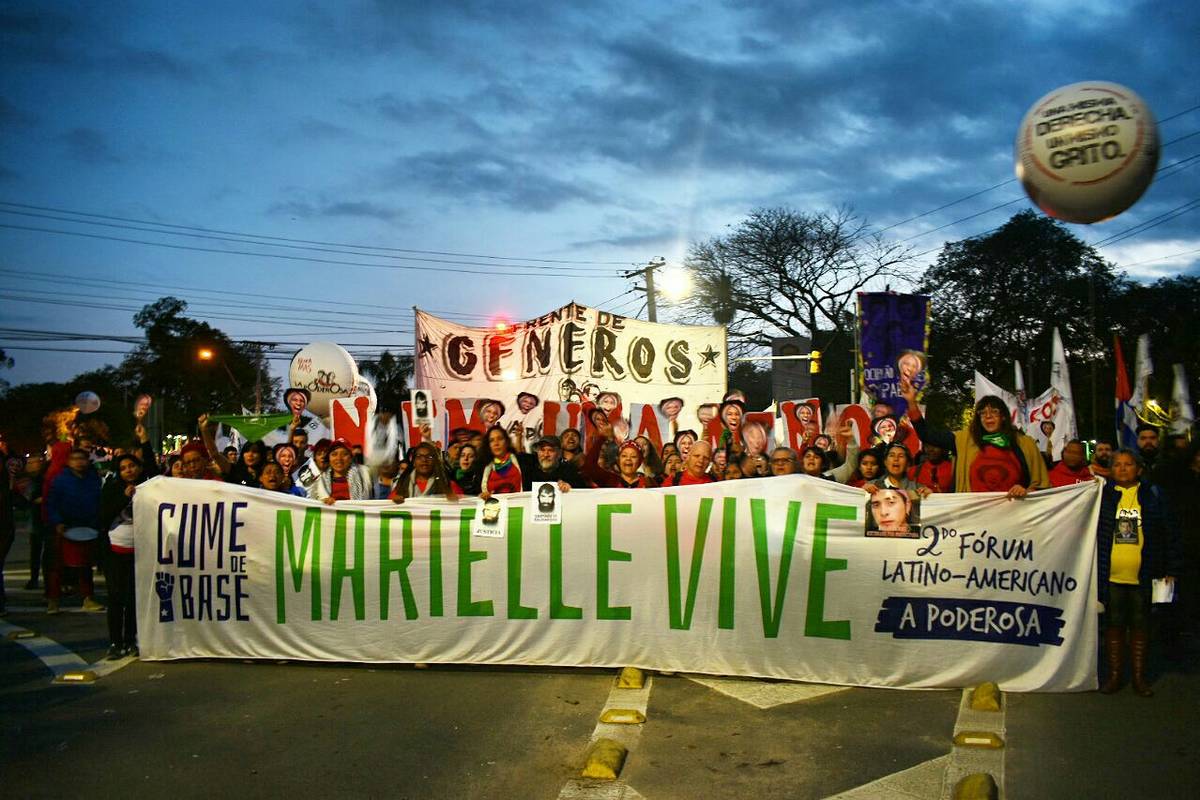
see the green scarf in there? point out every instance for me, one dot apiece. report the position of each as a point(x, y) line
point(997, 439)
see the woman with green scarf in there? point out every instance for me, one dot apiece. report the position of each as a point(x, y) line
point(990, 454)
point(464, 473)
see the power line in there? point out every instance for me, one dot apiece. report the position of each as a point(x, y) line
point(281, 256)
point(305, 241)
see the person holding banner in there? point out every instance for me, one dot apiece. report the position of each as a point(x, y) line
point(425, 477)
point(990, 454)
point(344, 480)
point(1073, 468)
point(546, 464)
point(868, 469)
point(695, 466)
point(1136, 543)
point(116, 517)
point(815, 461)
point(273, 479)
point(629, 463)
point(896, 459)
point(783, 461)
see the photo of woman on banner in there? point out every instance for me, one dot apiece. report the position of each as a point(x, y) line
point(490, 411)
point(671, 408)
point(892, 514)
point(730, 437)
point(910, 366)
point(684, 441)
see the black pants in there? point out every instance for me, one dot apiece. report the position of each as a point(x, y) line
point(122, 610)
point(37, 546)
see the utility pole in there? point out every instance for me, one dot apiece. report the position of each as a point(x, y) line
point(651, 306)
point(648, 275)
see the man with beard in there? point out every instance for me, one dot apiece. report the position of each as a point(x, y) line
point(1101, 465)
point(545, 463)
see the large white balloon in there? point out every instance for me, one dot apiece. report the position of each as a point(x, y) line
point(1086, 152)
point(87, 402)
point(326, 370)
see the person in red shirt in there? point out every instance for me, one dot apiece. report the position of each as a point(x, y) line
point(934, 470)
point(629, 462)
point(695, 467)
point(1073, 468)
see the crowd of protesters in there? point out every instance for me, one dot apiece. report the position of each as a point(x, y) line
point(1146, 529)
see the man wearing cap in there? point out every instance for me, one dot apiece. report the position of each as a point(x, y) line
point(545, 464)
point(296, 399)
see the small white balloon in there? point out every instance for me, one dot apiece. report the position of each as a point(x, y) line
point(1088, 151)
point(327, 371)
point(87, 402)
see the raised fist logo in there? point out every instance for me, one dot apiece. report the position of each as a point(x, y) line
point(164, 586)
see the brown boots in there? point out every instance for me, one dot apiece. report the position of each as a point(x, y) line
point(1114, 652)
point(1138, 645)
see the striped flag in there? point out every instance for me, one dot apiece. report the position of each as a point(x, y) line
point(1126, 416)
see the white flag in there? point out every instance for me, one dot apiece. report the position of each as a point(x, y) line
point(1183, 417)
point(1065, 428)
point(1143, 368)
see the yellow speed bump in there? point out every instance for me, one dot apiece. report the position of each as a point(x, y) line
point(978, 739)
point(631, 678)
point(604, 760)
point(980, 786)
point(22, 635)
point(623, 716)
point(986, 697)
point(77, 676)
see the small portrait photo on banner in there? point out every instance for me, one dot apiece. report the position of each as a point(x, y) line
point(488, 518)
point(893, 514)
point(545, 503)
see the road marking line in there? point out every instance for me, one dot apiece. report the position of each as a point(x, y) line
point(626, 734)
point(42, 610)
point(765, 694)
point(922, 782)
point(58, 659)
point(935, 779)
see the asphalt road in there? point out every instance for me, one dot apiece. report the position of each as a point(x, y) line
point(265, 729)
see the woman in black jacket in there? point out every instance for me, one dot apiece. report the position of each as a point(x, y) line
point(116, 517)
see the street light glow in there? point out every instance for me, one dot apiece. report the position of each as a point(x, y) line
point(205, 354)
point(676, 283)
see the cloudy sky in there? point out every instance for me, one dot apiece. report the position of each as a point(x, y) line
point(302, 171)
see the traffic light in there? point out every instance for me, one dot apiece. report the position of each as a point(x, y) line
point(814, 362)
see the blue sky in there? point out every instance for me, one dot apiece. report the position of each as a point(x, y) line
point(570, 140)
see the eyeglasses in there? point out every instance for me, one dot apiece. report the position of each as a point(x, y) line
point(781, 461)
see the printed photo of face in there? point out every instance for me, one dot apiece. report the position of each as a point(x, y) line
point(707, 413)
point(420, 405)
point(546, 498)
point(881, 410)
point(909, 365)
point(731, 417)
point(609, 401)
point(885, 429)
point(526, 402)
point(890, 509)
point(142, 406)
point(684, 444)
point(822, 442)
point(491, 412)
point(1047, 429)
point(671, 407)
point(491, 511)
point(297, 402)
point(804, 413)
point(754, 438)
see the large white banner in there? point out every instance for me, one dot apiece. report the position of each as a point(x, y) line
point(573, 354)
point(789, 577)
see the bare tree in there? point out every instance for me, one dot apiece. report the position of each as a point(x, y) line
point(785, 273)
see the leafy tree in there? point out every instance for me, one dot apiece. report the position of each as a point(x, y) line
point(998, 297)
point(169, 366)
point(785, 273)
point(390, 374)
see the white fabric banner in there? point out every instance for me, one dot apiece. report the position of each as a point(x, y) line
point(573, 354)
point(771, 577)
